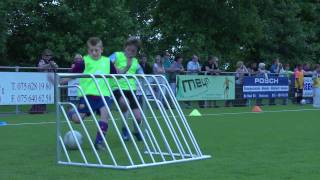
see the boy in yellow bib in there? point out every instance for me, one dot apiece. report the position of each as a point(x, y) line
point(126, 63)
point(299, 83)
point(94, 63)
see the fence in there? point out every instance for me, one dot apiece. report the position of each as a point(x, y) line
point(241, 100)
point(238, 100)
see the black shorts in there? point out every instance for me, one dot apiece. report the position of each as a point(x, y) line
point(299, 92)
point(128, 95)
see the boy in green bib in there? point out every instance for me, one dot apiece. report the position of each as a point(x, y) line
point(126, 63)
point(93, 63)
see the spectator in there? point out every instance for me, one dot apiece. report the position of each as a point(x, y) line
point(208, 69)
point(193, 66)
point(262, 72)
point(306, 67)
point(211, 66)
point(241, 72)
point(276, 67)
point(77, 57)
point(158, 68)
point(145, 65)
point(253, 69)
point(175, 69)
point(299, 83)
point(167, 62)
point(285, 72)
point(46, 64)
point(316, 87)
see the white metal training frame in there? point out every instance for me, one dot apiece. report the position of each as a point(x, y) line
point(176, 144)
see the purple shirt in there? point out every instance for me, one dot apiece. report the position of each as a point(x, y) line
point(79, 67)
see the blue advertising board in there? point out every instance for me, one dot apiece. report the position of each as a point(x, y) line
point(261, 87)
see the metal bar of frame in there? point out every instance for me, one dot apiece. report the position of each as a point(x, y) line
point(114, 122)
point(175, 120)
point(138, 104)
point(174, 117)
point(58, 110)
point(58, 115)
point(170, 126)
point(171, 111)
point(96, 122)
point(156, 120)
point(147, 123)
point(139, 165)
point(180, 112)
point(74, 136)
point(171, 129)
point(121, 114)
point(81, 75)
point(151, 141)
point(132, 138)
point(183, 118)
point(149, 132)
point(177, 154)
point(64, 149)
point(116, 127)
point(83, 126)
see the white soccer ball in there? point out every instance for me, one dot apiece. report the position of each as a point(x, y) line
point(70, 141)
point(303, 101)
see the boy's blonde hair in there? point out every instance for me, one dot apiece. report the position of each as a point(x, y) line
point(94, 41)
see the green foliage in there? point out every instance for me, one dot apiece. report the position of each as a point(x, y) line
point(233, 30)
point(3, 29)
point(64, 27)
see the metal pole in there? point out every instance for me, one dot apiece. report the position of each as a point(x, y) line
point(58, 113)
point(17, 106)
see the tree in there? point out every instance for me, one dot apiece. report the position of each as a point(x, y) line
point(233, 30)
point(3, 28)
point(64, 27)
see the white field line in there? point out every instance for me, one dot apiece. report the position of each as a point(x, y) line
point(214, 114)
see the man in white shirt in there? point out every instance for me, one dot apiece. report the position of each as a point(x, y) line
point(193, 66)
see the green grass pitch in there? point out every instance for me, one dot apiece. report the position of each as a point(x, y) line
point(275, 144)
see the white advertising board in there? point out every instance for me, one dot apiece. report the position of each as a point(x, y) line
point(26, 88)
point(73, 91)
